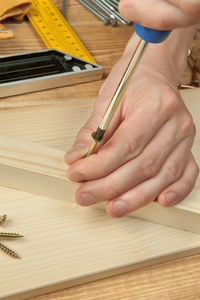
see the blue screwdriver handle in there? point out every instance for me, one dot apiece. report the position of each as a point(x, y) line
point(151, 35)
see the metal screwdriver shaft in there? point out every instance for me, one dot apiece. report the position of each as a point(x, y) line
point(135, 59)
point(147, 35)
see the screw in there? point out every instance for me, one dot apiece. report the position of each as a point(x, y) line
point(2, 219)
point(10, 235)
point(8, 251)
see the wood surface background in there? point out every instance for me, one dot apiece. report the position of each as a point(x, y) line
point(173, 281)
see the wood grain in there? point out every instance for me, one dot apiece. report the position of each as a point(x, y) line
point(41, 170)
point(65, 245)
point(34, 168)
point(173, 281)
point(176, 280)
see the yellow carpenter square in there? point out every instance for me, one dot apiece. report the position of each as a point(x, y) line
point(54, 29)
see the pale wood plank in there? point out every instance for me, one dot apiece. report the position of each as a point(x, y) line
point(175, 286)
point(176, 280)
point(65, 245)
point(36, 172)
point(34, 168)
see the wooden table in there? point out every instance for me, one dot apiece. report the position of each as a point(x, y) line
point(176, 280)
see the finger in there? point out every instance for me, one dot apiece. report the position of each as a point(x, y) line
point(117, 167)
point(190, 7)
point(83, 139)
point(126, 178)
point(147, 191)
point(180, 189)
point(128, 141)
point(168, 16)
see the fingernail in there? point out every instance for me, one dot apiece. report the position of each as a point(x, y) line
point(171, 198)
point(119, 208)
point(87, 199)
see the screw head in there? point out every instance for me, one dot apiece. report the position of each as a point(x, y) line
point(3, 219)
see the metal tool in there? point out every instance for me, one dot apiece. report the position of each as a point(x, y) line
point(3, 219)
point(64, 8)
point(98, 13)
point(54, 30)
point(45, 69)
point(111, 12)
point(8, 236)
point(194, 64)
point(8, 251)
point(146, 36)
point(109, 9)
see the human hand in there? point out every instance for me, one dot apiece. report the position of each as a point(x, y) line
point(161, 14)
point(146, 153)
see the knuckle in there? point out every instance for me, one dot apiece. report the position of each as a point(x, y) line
point(142, 197)
point(148, 167)
point(110, 191)
point(133, 146)
point(171, 100)
point(173, 172)
point(187, 123)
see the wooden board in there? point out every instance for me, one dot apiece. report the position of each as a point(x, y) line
point(34, 168)
point(42, 117)
point(66, 245)
point(41, 170)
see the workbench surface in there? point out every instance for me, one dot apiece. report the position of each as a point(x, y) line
point(176, 280)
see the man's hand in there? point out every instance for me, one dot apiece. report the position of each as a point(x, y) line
point(146, 153)
point(161, 14)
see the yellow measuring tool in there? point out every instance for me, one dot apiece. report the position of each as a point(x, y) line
point(55, 31)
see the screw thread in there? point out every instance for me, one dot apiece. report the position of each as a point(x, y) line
point(8, 251)
point(10, 235)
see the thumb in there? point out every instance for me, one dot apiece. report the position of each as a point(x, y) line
point(83, 140)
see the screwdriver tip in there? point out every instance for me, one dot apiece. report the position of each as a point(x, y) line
point(91, 148)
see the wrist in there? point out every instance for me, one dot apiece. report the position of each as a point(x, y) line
point(168, 57)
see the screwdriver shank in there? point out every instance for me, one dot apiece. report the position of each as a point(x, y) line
point(135, 59)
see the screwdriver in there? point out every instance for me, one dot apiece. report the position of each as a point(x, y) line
point(147, 36)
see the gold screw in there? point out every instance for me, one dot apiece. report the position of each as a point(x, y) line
point(8, 251)
point(2, 219)
point(10, 235)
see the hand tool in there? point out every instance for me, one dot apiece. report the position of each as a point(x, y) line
point(54, 30)
point(147, 36)
point(50, 68)
point(110, 11)
point(101, 15)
